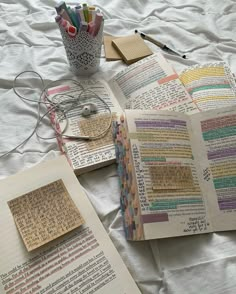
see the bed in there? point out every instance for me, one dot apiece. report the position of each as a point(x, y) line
point(30, 40)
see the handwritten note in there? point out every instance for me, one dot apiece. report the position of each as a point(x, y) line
point(196, 224)
point(93, 127)
point(171, 177)
point(45, 214)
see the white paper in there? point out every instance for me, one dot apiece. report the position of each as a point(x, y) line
point(83, 261)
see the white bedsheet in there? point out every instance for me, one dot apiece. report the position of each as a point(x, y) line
point(204, 30)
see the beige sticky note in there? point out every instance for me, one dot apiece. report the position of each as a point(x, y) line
point(45, 214)
point(131, 48)
point(93, 127)
point(168, 177)
point(110, 52)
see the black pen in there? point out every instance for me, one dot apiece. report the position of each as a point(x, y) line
point(159, 44)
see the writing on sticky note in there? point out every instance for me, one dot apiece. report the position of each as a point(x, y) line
point(45, 214)
point(171, 177)
point(93, 127)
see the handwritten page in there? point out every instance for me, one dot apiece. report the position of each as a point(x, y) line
point(45, 214)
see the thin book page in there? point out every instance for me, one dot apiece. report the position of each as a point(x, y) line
point(151, 83)
point(215, 141)
point(210, 85)
point(84, 260)
point(162, 141)
point(45, 214)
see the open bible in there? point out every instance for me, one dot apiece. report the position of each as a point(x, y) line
point(177, 172)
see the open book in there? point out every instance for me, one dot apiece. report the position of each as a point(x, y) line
point(151, 83)
point(82, 261)
point(177, 172)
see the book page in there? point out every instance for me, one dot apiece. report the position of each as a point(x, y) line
point(215, 143)
point(151, 83)
point(162, 176)
point(85, 155)
point(82, 261)
point(211, 85)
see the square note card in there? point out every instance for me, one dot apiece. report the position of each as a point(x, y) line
point(45, 214)
point(110, 52)
point(131, 48)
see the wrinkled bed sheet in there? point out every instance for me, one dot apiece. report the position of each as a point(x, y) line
point(30, 40)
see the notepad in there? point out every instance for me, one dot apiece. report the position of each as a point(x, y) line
point(131, 48)
point(110, 52)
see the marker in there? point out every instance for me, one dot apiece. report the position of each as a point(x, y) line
point(84, 26)
point(81, 14)
point(86, 13)
point(91, 13)
point(64, 23)
point(72, 31)
point(65, 15)
point(159, 44)
point(98, 21)
point(78, 15)
point(91, 27)
point(58, 18)
point(62, 6)
point(73, 17)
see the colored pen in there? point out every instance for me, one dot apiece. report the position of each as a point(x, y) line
point(159, 44)
point(81, 14)
point(97, 23)
point(71, 30)
point(65, 15)
point(60, 6)
point(73, 17)
point(77, 16)
point(91, 26)
point(86, 13)
point(83, 26)
point(91, 13)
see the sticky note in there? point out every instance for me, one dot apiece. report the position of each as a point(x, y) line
point(131, 48)
point(110, 52)
point(45, 214)
point(171, 177)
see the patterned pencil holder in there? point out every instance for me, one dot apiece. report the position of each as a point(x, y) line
point(83, 51)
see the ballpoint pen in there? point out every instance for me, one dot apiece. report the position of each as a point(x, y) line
point(159, 44)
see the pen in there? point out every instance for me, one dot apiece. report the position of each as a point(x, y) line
point(86, 13)
point(159, 44)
